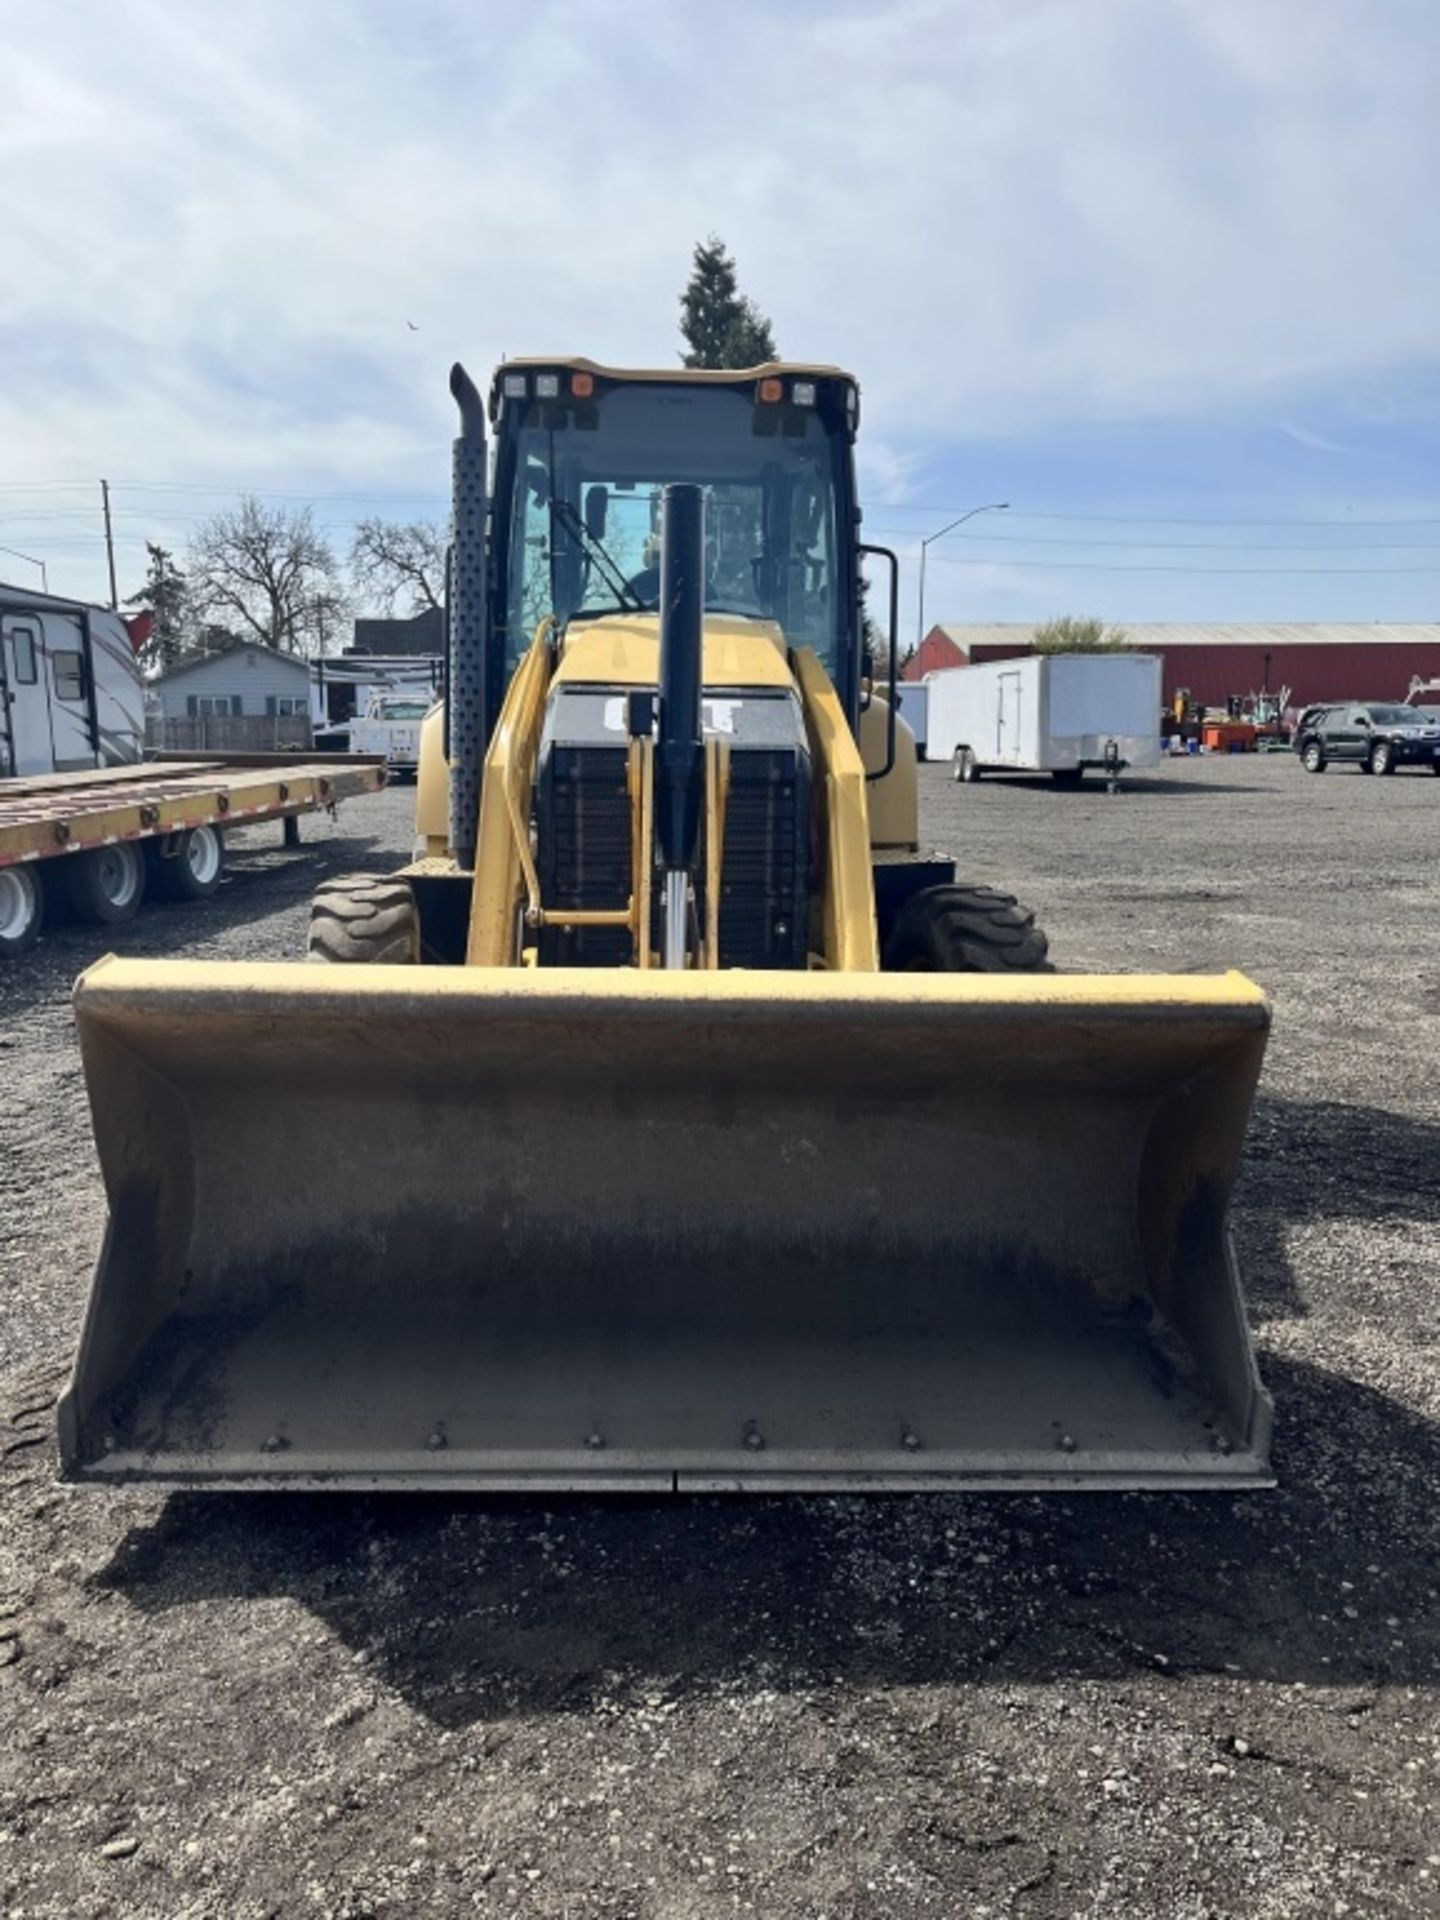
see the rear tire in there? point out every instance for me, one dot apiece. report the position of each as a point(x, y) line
point(966, 930)
point(364, 919)
point(105, 885)
point(193, 871)
point(22, 910)
point(967, 767)
point(1313, 758)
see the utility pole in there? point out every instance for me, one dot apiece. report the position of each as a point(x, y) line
point(994, 506)
point(109, 544)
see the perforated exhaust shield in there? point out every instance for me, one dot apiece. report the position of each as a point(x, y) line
point(470, 1229)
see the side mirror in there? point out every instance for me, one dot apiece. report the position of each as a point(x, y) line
point(597, 509)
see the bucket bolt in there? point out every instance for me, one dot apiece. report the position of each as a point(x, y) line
point(754, 1439)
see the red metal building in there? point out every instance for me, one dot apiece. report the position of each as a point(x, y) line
point(1335, 661)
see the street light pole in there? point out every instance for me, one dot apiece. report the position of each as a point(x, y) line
point(993, 506)
point(15, 554)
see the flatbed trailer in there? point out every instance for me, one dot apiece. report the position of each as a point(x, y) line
point(98, 840)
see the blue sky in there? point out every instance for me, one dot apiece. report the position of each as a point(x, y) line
point(1163, 274)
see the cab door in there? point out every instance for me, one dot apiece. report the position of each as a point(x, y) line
point(27, 743)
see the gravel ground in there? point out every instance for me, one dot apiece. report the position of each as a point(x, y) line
point(1187, 1706)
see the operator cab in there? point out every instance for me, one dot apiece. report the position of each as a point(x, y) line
point(583, 455)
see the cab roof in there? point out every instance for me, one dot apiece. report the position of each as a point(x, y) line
point(678, 376)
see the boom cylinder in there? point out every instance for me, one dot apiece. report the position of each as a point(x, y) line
point(680, 758)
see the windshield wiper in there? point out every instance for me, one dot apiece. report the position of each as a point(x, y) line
point(613, 577)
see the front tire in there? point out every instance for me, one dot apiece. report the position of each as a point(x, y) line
point(105, 885)
point(960, 929)
point(22, 910)
point(1313, 758)
point(364, 919)
point(1382, 757)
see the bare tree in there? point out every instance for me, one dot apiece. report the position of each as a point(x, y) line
point(391, 561)
point(270, 573)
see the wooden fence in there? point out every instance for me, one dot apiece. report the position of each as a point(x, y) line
point(229, 733)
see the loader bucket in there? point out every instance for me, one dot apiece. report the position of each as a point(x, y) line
point(464, 1228)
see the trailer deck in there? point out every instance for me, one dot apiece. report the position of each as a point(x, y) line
point(67, 813)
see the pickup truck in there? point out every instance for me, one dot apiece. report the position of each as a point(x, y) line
point(390, 725)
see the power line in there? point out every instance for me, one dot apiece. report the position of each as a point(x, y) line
point(1190, 546)
point(1158, 520)
point(1202, 573)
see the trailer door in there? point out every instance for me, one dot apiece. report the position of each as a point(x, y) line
point(26, 742)
point(1007, 720)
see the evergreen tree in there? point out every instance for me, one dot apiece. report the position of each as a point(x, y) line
point(721, 327)
point(166, 595)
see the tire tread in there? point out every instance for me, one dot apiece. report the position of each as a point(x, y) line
point(364, 920)
point(967, 929)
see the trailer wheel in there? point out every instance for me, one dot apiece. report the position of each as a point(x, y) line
point(967, 767)
point(105, 885)
point(193, 870)
point(22, 910)
point(1067, 776)
point(966, 930)
point(364, 919)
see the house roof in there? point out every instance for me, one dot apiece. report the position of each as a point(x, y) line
point(231, 652)
point(1147, 635)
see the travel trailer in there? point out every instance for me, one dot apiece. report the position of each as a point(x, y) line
point(70, 691)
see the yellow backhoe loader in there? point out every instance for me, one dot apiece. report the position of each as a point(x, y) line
point(683, 1128)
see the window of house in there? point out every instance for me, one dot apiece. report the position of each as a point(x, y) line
point(22, 641)
point(213, 703)
point(284, 704)
point(68, 671)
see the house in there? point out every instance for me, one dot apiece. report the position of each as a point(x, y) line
point(244, 680)
point(240, 698)
point(1335, 660)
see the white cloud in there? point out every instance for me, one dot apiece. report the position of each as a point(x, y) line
point(217, 219)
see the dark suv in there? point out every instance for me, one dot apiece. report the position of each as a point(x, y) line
point(1373, 736)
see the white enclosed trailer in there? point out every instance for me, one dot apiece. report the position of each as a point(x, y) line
point(71, 698)
point(1055, 713)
